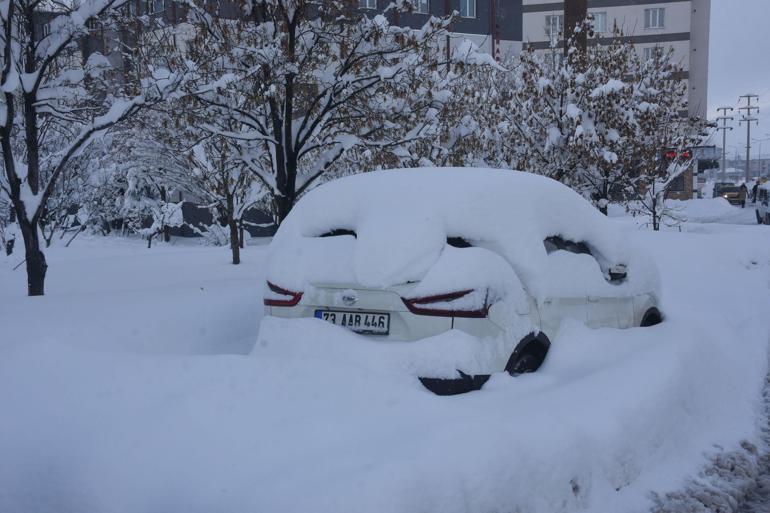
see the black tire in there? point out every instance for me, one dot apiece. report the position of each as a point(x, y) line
point(529, 361)
point(529, 355)
point(462, 385)
point(652, 317)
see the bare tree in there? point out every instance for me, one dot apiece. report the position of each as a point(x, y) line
point(664, 138)
point(50, 109)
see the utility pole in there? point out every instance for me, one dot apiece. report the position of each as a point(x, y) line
point(724, 118)
point(747, 118)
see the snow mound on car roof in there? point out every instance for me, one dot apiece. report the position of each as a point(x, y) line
point(402, 219)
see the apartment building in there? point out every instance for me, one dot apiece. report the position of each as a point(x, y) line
point(679, 24)
point(493, 25)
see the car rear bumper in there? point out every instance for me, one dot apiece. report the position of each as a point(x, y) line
point(404, 325)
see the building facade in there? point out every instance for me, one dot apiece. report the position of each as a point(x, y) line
point(493, 25)
point(648, 24)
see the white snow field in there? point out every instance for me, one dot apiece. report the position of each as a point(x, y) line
point(133, 387)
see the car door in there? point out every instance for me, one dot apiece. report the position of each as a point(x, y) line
point(610, 311)
point(554, 310)
point(586, 295)
point(566, 296)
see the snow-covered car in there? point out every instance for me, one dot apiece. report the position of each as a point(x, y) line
point(763, 200)
point(503, 256)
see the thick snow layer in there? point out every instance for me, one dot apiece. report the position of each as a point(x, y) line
point(709, 210)
point(402, 219)
point(111, 295)
point(699, 211)
point(111, 399)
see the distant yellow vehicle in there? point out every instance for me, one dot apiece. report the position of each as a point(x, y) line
point(735, 194)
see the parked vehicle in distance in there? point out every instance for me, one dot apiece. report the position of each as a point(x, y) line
point(504, 256)
point(763, 198)
point(735, 194)
point(718, 186)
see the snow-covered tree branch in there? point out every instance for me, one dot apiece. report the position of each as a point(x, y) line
point(308, 82)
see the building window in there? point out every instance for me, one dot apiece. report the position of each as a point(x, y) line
point(422, 6)
point(139, 7)
point(468, 8)
point(600, 22)
point(46, 29)
point(652, 52)
point(677, 184)
point(554, 25)
point(158, 6)
point(367, 4)
point(654, 18)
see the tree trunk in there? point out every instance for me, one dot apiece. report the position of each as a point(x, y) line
point(166, 231)
point(235, 246)
point(234, 242)
point(36, 264)
point(281, 207)
point(240, 235)
point(655, 218)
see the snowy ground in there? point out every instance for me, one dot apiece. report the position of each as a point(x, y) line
point(132, 387)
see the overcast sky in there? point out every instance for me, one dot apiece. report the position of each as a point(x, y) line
point(739, 63)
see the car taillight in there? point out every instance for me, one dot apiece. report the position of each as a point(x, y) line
point(282, 296)
point(445, 305)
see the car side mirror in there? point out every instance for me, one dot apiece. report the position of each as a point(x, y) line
point(618, 273)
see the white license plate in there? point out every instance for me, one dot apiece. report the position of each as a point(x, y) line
point(367, 323)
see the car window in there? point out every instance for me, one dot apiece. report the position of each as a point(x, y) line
point(611, 272)
point(339, 232)
point(556, 243)
point(458, 242)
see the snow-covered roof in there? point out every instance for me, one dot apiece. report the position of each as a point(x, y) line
point(402, 220)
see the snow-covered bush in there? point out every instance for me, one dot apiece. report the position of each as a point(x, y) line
point(597, 119)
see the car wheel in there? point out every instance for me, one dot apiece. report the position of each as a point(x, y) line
point(455, 386)
point(529, 355)
point(652, 317)
point(527, 362)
